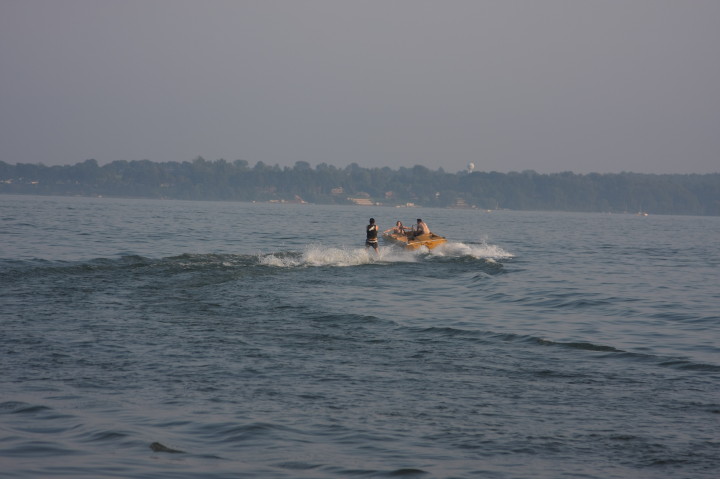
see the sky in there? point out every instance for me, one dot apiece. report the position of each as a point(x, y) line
point(555, 85)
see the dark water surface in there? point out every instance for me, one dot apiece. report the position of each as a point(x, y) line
point(209, 340)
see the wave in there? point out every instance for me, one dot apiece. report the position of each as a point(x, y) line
point(37, 439)
point(609, 352)
point(311, 256)
point(31, 268)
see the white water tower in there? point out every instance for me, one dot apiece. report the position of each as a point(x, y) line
point(470, 167)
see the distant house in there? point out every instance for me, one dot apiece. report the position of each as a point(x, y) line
point(337, 191)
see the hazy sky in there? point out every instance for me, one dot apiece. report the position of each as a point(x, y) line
point(573, 85)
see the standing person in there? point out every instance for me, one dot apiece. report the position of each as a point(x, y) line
point(371, 231)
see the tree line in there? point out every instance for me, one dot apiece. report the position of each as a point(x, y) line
point(200, 179)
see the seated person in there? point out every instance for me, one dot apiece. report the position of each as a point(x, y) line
point(398, 229)
point(421, 228)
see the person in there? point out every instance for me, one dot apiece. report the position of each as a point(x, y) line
point(371, 231)
point(398, 229)
point(421, 228)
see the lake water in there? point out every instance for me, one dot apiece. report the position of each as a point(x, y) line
point(178, 339)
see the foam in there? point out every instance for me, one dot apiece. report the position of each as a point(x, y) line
point(319, 255)
point(478, 251)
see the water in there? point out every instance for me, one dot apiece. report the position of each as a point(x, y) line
point(209, 340)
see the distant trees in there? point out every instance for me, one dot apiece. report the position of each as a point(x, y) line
point(201, 179)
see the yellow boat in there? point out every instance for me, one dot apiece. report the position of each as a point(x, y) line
point(430, 240)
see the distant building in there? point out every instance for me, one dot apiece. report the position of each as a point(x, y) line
point(362, 201)
point(461, 203)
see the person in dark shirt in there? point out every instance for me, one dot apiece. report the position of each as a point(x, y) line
point(371, 231)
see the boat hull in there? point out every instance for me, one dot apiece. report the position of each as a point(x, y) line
point(429, 241)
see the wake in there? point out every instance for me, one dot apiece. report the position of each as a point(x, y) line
point(319, 255)
point(477, 251)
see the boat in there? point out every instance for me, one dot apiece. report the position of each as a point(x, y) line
point(430, 240)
